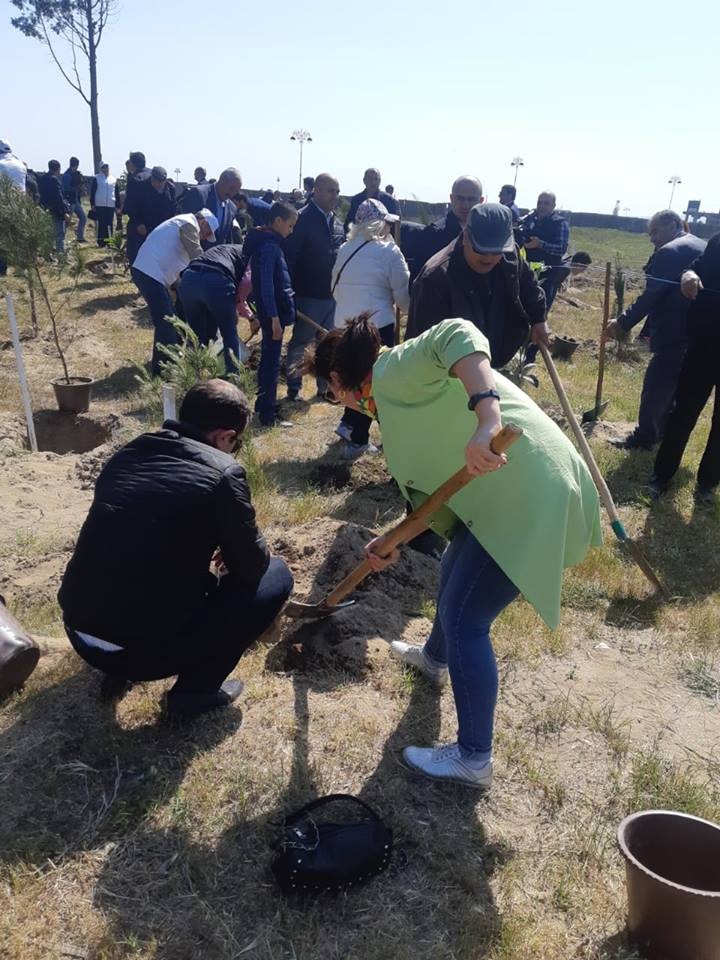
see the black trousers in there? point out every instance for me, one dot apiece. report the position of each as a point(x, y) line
point(208, 649)
point(358, 422)
point(700, 373)
point(104, 223)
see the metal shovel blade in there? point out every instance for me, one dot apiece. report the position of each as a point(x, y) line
point(313, 611)
point(590, 416)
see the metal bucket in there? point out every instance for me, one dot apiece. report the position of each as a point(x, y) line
point(19, 654)
point(672, 863)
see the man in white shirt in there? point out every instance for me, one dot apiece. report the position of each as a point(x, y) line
point(15, 170)
point(160, 261)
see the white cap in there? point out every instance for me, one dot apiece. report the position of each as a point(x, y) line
point(211, 220)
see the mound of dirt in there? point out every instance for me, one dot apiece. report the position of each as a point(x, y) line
point(387, 605)
point(608, 430)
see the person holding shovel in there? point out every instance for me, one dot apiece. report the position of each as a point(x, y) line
point(440, 404)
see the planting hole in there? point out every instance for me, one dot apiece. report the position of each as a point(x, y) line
point(71, 433)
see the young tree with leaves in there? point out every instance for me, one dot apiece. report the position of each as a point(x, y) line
point(80, 25)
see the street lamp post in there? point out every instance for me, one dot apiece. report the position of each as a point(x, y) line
point(177, 173)
point(302, 137)
point(516, 162)
point(674, 181)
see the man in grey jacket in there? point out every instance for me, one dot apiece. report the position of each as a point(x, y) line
point(666, 311)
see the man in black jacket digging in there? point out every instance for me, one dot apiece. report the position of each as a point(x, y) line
point(138, 598)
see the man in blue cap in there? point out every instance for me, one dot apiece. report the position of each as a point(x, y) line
point(481, 278)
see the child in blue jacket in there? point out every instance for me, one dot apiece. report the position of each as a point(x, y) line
point(274, 301)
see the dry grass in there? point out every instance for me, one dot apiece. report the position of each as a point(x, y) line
point(123, 837)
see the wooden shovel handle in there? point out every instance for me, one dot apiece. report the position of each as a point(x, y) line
point(417, 521)
point(588, 457)
point(601, 355)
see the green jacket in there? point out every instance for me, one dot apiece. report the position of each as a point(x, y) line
point(535, 516)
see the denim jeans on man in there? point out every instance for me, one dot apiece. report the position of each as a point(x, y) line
point(59, 229)
point(473, 591)
point(231, 619)
point(208, 303)
point(322, 312)
point(160, 305)
point(77, 209)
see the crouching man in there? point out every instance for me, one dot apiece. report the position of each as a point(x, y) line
point(138, 598)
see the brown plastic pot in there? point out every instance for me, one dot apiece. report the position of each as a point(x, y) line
point(73, 397)
point(672, 864)
point(19, 653)
point(562, 348)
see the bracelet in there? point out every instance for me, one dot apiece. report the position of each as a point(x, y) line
point(477, 397)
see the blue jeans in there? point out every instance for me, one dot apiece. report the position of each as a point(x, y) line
point(208, 300)
point(473, 592)
point(658, 393)
point(77, 209)
point(322, 312)
point(59, 228)
point(157, 297)
point(268, 375)
point(229, 621)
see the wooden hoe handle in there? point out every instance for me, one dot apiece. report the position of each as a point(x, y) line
point(417, 521)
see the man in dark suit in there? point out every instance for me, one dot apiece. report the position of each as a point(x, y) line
point(151, 203)
point(137, 173)
point(310, 253)
point(52, 199)
point(372, 191)
point(465, 193)
point(216, 197)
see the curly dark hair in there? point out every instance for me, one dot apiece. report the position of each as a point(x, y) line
point(350, 352)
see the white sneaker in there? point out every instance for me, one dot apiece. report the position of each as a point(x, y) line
point(343, 431)
point(415, 657)
point(352, 451)
point(446, 763)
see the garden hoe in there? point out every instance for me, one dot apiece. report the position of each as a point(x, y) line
point(410, 527)
point(605, 495)
point(590, 416)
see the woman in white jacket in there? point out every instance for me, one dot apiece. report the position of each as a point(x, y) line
point(370, 275)
point(103, 203)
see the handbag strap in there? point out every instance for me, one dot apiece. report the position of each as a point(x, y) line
point(340, 271)
point(322, 801)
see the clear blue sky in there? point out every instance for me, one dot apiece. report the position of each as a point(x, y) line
point(602, 101)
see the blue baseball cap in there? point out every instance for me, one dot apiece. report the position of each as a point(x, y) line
point(490, 228)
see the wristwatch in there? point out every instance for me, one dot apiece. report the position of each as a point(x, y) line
point(477, 397)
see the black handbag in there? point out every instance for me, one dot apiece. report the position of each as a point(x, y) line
point(331, 856)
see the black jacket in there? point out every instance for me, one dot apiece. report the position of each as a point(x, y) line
point(226, 258)
point(162, 506)
point(434, 238)
point(310, 251)
point(147, 205)
point(133, 185)
point(51, 195)
point(704, 311)
point(504, 304)
point(204, 196)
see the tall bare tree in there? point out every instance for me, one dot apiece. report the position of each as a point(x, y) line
point(80, 25)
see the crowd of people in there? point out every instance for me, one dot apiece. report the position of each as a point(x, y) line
point(476, 285)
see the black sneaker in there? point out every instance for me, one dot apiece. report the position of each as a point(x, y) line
point(657, 487)
point(293, 396)
point(429, 543)
point(631, 442)
point(114, 688)
point(185, 706)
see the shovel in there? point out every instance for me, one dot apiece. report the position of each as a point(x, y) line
point(605, 495)
point(590, 416)
point(405, 531)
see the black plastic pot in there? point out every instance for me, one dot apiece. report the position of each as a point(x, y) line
point(73, 397)
point(562, 348)
point(672, 863)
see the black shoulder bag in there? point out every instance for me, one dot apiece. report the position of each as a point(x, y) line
point(340, 271)
point(331, 856)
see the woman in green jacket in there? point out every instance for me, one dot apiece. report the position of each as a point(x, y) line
point(532, 513)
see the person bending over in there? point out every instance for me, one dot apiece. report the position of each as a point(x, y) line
point(500, 543)
point(139, 601)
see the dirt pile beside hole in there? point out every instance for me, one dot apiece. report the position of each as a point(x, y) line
point(608, 430)
point(387, 604)
point(13, 435)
